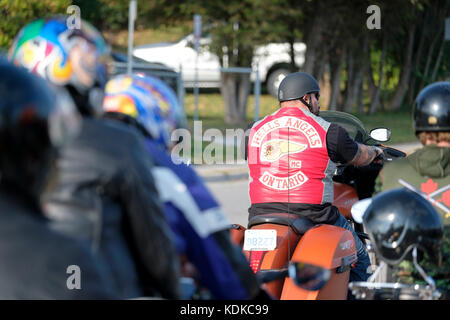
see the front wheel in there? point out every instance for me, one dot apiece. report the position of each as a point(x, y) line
point(274, 80)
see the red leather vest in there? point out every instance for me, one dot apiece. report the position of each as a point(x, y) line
point(288, 159)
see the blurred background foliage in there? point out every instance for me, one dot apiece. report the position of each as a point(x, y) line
point(17, 13)
point(361, 70)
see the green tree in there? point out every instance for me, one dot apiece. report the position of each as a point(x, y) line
point(430, 49)
point(18, 13)
point(235, 34)
point(113, 14)
point(235, 31)
point(284, 21)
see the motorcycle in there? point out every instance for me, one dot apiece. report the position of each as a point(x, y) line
point(271, 241)
point(373, 290)
point(376, 288)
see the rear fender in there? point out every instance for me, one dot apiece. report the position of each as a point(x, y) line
point(329, 247)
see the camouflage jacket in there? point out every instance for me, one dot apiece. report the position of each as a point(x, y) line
point(427, 169)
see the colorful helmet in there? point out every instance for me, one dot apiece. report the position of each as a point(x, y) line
point(35, 121)
point(66, 56)
point(149, 101)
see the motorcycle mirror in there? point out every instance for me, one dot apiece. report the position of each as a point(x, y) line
point(359, 208)
point(307, 276)
point(380, 134)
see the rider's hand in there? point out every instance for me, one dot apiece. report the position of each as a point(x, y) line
point(379, 159)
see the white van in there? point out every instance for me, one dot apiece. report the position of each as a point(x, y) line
point(273, 61)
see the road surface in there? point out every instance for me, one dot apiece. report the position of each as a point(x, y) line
point(233, 198)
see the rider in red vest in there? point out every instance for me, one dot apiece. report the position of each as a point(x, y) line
point(292, 155)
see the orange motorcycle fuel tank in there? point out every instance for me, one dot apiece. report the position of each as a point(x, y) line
point(345, 197)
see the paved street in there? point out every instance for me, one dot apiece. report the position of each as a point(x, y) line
point(233, 197)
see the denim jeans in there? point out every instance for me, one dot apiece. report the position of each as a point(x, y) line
point(359, 272)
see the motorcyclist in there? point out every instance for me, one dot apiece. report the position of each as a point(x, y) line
point(292, 155)
point(35, 122)
point(200, 226)
point(105, 193)
point(427, 169)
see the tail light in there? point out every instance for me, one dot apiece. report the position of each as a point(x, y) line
point(256, 259)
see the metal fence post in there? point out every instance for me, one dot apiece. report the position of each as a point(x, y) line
point(196, 88)
point(131, 18)
point(257, 93)
point(180, 88)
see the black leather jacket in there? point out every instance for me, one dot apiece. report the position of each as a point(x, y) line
point(34, 260)
point(105, 193)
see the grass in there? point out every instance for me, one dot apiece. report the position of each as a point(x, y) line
point(400, 123)
point(212, 111)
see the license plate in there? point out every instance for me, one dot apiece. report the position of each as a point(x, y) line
point(260, 240)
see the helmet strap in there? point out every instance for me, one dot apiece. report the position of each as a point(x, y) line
point(307, 104)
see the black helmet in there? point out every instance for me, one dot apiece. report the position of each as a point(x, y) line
point(399, 220)
point(432, 108)
point(296, 85)
point(34, 121)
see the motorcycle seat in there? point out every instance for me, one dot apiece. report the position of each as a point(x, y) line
point(297, 223)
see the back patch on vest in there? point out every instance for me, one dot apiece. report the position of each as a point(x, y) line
point(293, 123)
point(277, 183)
point(277, 140)
point(273, 150)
